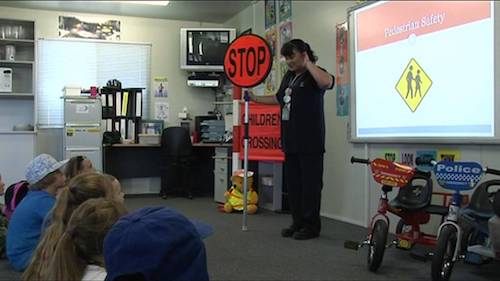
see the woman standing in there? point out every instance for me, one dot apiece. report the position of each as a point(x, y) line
point(302, 135)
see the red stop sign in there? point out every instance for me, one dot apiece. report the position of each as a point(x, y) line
point(248, 61)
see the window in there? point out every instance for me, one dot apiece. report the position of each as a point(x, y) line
point(83, 64)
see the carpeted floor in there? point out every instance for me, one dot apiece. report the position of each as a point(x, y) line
point(262, 254)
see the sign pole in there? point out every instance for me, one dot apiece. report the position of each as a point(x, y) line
point(245, 164)
point(247, 63)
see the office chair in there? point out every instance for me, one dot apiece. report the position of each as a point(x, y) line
point(177, 159)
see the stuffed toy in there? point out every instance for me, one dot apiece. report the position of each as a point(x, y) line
point(234, 196)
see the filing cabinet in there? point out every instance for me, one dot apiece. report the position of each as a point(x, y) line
point(222, 172)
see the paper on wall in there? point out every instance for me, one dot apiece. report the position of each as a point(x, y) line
point(162, 111)
point(160, 86)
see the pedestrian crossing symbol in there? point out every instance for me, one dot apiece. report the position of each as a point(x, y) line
point(413, 85)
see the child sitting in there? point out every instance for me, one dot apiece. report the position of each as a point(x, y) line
point(24, 230)
point(78, 254)
point(156, 243)
point(80, 189)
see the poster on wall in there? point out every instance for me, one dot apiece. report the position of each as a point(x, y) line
point(270, 82)
point(160, 86)
point(342, 70)
point(285, 9)
point(283, 66)
point(448, 155)
point(162, 111)
point(407, 157)
point(390, 155)
point(89, 28)
point(343, 100)
point(272, 39)
point(342, 54)
point(270, 13)
point(286, 33)
point(426, 154)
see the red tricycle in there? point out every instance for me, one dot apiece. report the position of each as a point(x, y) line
point(412, 204)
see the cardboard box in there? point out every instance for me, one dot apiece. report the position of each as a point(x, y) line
point(149, 139)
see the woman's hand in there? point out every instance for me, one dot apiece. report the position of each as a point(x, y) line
point(262, 99)
point(251, 95)
point(307, 60)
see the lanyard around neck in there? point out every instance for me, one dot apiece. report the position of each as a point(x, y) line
point(294, 80)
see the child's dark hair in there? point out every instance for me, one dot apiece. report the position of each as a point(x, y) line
point(73, 166)
point(300, 46)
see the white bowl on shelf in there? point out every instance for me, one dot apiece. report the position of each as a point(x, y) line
point(23, 127)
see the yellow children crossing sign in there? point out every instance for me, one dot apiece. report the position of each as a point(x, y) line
point(413, 85)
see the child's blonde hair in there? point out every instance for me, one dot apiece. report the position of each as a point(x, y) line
point(82, 242)
point(80, 189)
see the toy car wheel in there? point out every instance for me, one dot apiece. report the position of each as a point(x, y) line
point(442, 261)
point(377, 245)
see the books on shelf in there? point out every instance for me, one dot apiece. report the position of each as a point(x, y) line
point(138, 104)
point(118, 104)
point(124, 104)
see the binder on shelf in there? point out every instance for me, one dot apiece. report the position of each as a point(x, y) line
point(138, 104)
point(104, 102)
point(123, 128)
point(118, 107)
point(117, 126)
point(110, 100)
point(124, 103)
point(131, 105)
point(131, 130)
point(109, 124)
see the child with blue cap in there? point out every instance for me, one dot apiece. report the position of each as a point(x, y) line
point(156, 243)
point(45, 179)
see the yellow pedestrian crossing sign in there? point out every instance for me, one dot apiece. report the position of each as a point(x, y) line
point(413, 85)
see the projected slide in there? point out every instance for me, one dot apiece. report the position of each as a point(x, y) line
point(424, 69)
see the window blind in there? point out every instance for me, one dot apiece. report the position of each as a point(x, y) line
point(83, 64)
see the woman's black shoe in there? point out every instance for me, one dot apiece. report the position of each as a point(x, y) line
point(305, 234)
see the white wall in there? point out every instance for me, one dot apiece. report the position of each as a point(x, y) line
point(349, 193)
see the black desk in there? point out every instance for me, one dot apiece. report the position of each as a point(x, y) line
point(139, 160)
point(131, 160)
